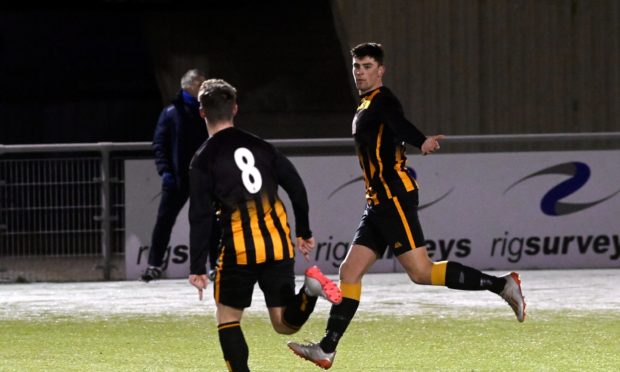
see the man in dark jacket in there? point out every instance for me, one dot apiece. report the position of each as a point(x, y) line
point(179, 133)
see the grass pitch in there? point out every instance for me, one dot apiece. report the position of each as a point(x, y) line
point(488, 341)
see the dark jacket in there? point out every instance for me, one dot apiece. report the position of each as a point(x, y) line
point(179, 133)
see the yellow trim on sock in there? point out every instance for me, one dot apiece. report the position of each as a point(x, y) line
point(228, 325)
point(352, 291)
point(438, 273)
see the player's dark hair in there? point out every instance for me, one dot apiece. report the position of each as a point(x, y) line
point(217, 98)
point(373, 50)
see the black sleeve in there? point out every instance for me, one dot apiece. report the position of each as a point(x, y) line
point(291, 182)
point(201, 215)
point(162, 143)
point(404, 129)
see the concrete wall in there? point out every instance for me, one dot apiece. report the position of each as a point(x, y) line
point(501, 66)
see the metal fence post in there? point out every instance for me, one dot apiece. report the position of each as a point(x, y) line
point(106, 223)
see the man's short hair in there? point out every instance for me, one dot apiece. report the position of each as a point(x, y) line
point(217, 99)
point(373, 50)
point(190, 77)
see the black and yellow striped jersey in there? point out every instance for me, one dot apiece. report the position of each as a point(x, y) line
point(380, 130)
point(236, 175)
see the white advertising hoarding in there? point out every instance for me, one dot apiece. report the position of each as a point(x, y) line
point(142, 194)
point(490, 211)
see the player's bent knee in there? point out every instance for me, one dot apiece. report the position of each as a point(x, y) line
point(417, 264)
point(284, 330)
point(349, 273)
point(420, 274)
point(417, 278)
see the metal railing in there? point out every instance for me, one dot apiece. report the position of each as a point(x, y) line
point(48, 207)
point(63, 200)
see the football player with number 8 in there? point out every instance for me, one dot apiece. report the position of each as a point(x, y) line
point(236, 175)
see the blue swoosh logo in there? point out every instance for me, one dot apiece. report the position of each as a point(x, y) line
point(551, 203)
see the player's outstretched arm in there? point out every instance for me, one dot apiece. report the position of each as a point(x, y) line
point(431, 144)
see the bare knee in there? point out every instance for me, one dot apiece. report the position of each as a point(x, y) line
point(418, 278)
point(418, 265)
point(421, 272)
point(349, 273)
point(276, 315)
point(283, 329)
point(358, 261)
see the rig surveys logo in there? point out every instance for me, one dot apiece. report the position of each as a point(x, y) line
point(551, 203)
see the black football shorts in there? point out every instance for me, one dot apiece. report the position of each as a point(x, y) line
point(234, 284)
point(392, 224)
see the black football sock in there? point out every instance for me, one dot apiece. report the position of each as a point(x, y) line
point(458, 276)
point(341, 315)
point(298, 310)
point(234, 347)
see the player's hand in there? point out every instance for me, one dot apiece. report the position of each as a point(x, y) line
point(305, 246)
point(200, 282)
point(431, 144)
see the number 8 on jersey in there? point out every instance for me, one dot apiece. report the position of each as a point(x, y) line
point(250, 175)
